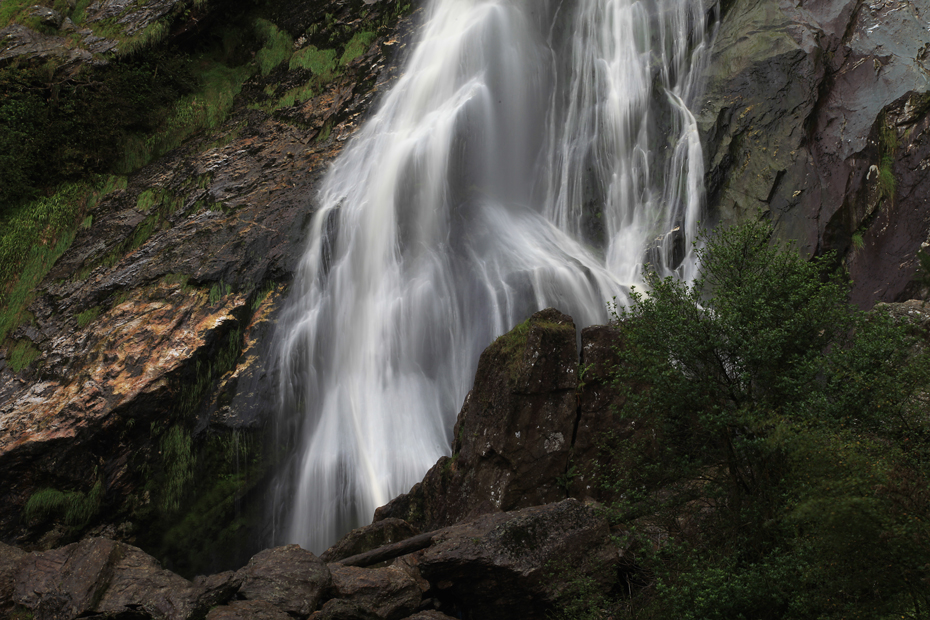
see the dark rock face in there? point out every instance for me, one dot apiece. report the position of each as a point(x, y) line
point(290, 578)
point(516, 565)
point(599, 401)
point(369, 537)
point(513, 434)
point(9, 563)
point(800, 117)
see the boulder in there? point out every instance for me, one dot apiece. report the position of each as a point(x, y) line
point(290, 578)
point(339, 609)
point(520, 564)
point(100, 576)
point(386, 593)
point(247, 610)
point(369, 537)
point(430, 615)
point(513, 434)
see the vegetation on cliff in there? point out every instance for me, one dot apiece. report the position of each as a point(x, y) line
point(781, 445)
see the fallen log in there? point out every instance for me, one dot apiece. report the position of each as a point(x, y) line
point(389, 552)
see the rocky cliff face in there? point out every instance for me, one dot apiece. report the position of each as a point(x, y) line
point(144, 389)
point(816, 113)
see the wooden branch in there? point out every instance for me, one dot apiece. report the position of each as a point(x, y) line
point(389, 552)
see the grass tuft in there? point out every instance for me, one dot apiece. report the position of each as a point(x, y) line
point(22, 355)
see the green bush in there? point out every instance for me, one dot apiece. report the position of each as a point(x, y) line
point(798, 423)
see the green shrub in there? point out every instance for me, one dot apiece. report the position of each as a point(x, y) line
point(76, 508)
point(798, 421)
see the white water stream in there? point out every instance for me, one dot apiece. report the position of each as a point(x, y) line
point(534, 153)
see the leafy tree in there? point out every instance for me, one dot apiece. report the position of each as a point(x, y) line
point(782, 440)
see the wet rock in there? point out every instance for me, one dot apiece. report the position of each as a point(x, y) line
point(430, 615)
point(795, 122)
point(247, 610)
point(10, 558)
point(519, 564)
point(339, 609)
point(218, 588)
point(290, 578)
point(100, 576)
point(386, 593)
point(513, 434)
point(369, 537)
point(17, 42)
point(599, 403)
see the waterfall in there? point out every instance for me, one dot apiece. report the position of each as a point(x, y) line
point(534, 153)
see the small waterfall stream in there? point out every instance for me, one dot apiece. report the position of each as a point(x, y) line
point(534, 153)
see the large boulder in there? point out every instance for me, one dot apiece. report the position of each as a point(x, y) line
point(520, 564)
point(384, 593)
point(103, 577)
point(514, 432)
point(290, 578)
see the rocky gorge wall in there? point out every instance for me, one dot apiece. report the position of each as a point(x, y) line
point(136, 399)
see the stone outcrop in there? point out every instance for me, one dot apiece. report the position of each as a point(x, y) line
point(518, 564)
point(819, 118)
point(528, 432)
point(513, 434)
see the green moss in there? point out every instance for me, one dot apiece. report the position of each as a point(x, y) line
point(218, 291)
point(204, 109)
point(22, 355)
point(178, 278)
point(325, 131)
point(357, 46)
point(319, 62)
point(88, 316)
point(277, 48)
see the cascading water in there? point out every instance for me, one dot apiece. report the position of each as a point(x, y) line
point(534, 154)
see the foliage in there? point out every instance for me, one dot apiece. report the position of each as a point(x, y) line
point(277, 46)
point(22, 355)
point(75, 507)
point(777, 421)
point(357, 46)
point(179, 466)
point(88, 316)
point(55, 130)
